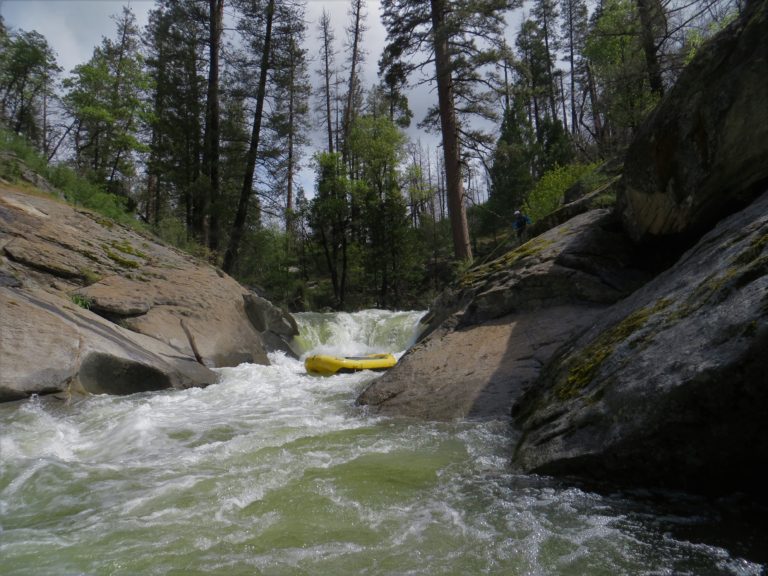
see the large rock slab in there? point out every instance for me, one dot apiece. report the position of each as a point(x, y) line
point(488, 337)
point(149, 295)
point(669, 387)
point(49, 346)
point(475, 372)
point(702, 153)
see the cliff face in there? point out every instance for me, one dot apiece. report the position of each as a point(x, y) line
point(702, 153)
point(618, 374)
point(91, 306)
point(670, 385)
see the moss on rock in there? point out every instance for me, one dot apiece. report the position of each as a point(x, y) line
point(584, 367)
point(483, 272)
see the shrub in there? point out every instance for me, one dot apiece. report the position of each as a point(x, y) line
point(547, 195)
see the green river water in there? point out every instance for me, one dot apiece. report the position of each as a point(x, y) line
point(275, 472)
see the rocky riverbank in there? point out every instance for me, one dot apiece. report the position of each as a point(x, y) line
point(629, 344)
point(90, 306)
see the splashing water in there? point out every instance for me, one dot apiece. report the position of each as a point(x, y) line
point(275, 472)
point(366, 332)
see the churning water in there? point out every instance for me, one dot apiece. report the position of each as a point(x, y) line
point(275, 472)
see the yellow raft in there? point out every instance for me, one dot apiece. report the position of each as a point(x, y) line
point(327, 365)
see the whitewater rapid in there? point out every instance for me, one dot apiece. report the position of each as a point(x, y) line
point(272, 471)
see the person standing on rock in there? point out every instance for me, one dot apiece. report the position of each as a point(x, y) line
point(519, 224)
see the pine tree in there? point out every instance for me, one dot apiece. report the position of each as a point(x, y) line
point(464, 36)
point(327, 73)
point(175, 38)
point(614, 54)
point(511, 177)
point(545, 13)
point(354, 45)
point(288, 120)
point(653, 23)
point(211, 201)
point(28, 69)
point(574, 30)
point(329, 218)
point(265, 55)
point(534, 77)
point(106, 97)
point(377, 146)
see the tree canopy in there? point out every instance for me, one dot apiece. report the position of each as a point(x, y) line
point(202, 125)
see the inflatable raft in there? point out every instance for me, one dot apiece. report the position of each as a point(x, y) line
point(327, 365)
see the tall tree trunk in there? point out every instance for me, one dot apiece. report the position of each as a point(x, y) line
point(330, 260)
point(357, 7)
point(337, 114)
point(290, 168)
point(230, 258)
point(194, 152)
point(116, 94)
point(596, 119)
point(646, 9)
point(327, 40)
point(550, 73)
point(562, 102)
point(212, 129)
point(344, 271)
point(450, 132)
point(572, 62)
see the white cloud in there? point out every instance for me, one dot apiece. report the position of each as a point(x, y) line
point(73, 28)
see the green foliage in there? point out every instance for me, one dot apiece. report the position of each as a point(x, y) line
point(82, 301)
point(28, 70)
point(20, 148)
point(363, 237)
point(473, 28)
point(174, 232)
point(511, 178)
point(329, 218)
point(554, 146)
point(75, 189)
point(615, 53)
point(273, 269)
point(547, 195)
point(696, 38)
point(106, 97)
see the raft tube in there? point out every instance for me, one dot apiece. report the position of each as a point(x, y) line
point(327, 365)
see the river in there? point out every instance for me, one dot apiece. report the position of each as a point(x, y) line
point(272, 471)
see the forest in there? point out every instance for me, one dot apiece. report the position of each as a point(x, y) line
point(197, 127)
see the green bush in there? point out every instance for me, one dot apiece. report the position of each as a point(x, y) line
point(82, 301)
point(547, 195)
point(76, 190)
